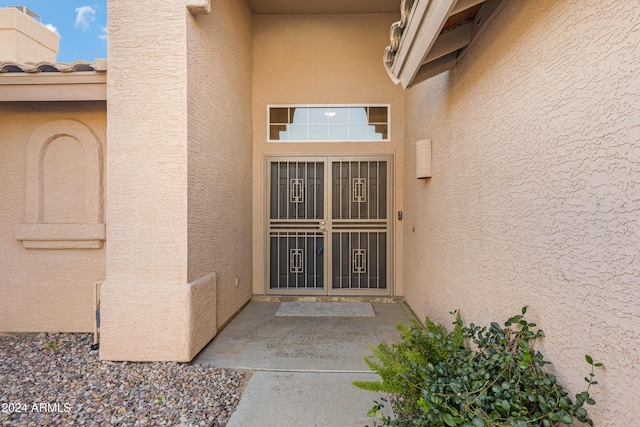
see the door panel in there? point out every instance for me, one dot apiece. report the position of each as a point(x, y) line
point(359, 260)
point(359, 214)
point(296, 246)
point(297, 190)
point(359, 190)
point(297, 261)
point(331, 207)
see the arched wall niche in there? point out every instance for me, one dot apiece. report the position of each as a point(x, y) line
point(63, 186)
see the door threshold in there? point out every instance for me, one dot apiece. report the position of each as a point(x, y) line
point(324, 298)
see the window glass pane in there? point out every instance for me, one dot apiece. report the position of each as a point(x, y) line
point(339, 132)
point(319, 115)
point(318, 132)
point(358, 132)
point(329, 123)
point(300, 115)
point(279, 115)
point(276, 132)
point(297, 132)
point(341, 115)
point(358, 115)
point(378, 132)
point(377, 114)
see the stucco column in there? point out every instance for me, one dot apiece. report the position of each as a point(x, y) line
point(147, 303)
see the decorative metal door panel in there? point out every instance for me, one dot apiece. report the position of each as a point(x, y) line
point(296, 210)
point(328, 208)
point(359, 218)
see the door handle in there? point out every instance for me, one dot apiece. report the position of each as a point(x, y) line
point(323, 228)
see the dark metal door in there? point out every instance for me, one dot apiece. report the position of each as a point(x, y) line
point(296, 213)
point(359, 232)
point(333, 209)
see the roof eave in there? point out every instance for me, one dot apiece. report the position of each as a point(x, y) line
point(73, 86)
point(425, 50)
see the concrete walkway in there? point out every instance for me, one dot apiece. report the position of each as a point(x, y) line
point(303, 366)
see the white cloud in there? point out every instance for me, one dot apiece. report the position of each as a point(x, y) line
point(103, 33)
point(85, 15)
point(53, 28)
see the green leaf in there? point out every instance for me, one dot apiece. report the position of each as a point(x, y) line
point(589, 359)
point(448, 419)
point(581, 412)
point(373, 411)
point(566, 419)
point(524, 309)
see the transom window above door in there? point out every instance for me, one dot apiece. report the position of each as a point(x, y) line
point(328, 123)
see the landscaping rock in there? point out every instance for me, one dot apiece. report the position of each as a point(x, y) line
point(53, 379)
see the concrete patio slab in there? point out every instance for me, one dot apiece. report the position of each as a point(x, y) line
point(303, 367)
point(257, 339)
point(283, 399)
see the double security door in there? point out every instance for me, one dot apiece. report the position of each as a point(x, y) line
point(329, 225)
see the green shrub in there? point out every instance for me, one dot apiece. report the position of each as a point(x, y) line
point(399, 365)
point(495, 380)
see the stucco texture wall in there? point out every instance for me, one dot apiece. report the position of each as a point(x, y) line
point(178, 177)
point(219, 158)
point(25, 39)
point(47, 290)
point(321, 59)
point(146, 300)
point(535, 195)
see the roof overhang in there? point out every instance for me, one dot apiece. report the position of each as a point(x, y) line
point(433, 35)
point(79, 81)
point(333, 7)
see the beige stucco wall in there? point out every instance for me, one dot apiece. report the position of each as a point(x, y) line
point(321, 59)
point(176, 224)
point(47, 289)
point(534, 198)
point(23, 39)
point(145, 299)
point(219, 158)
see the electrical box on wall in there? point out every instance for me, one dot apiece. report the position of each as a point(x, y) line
point(423, 158)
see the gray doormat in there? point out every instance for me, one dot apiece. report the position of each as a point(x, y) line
point(328, 309)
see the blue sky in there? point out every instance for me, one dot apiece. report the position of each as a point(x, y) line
point(81, 25)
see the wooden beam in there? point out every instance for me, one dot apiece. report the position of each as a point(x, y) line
point(464, 5)
point(450, 41)
point(434, 68)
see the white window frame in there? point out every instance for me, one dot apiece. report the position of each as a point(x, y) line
point(332, 141)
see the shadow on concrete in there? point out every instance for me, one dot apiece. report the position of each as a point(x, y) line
point(303, 366)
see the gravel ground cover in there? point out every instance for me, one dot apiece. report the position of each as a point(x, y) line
point(54, 379)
